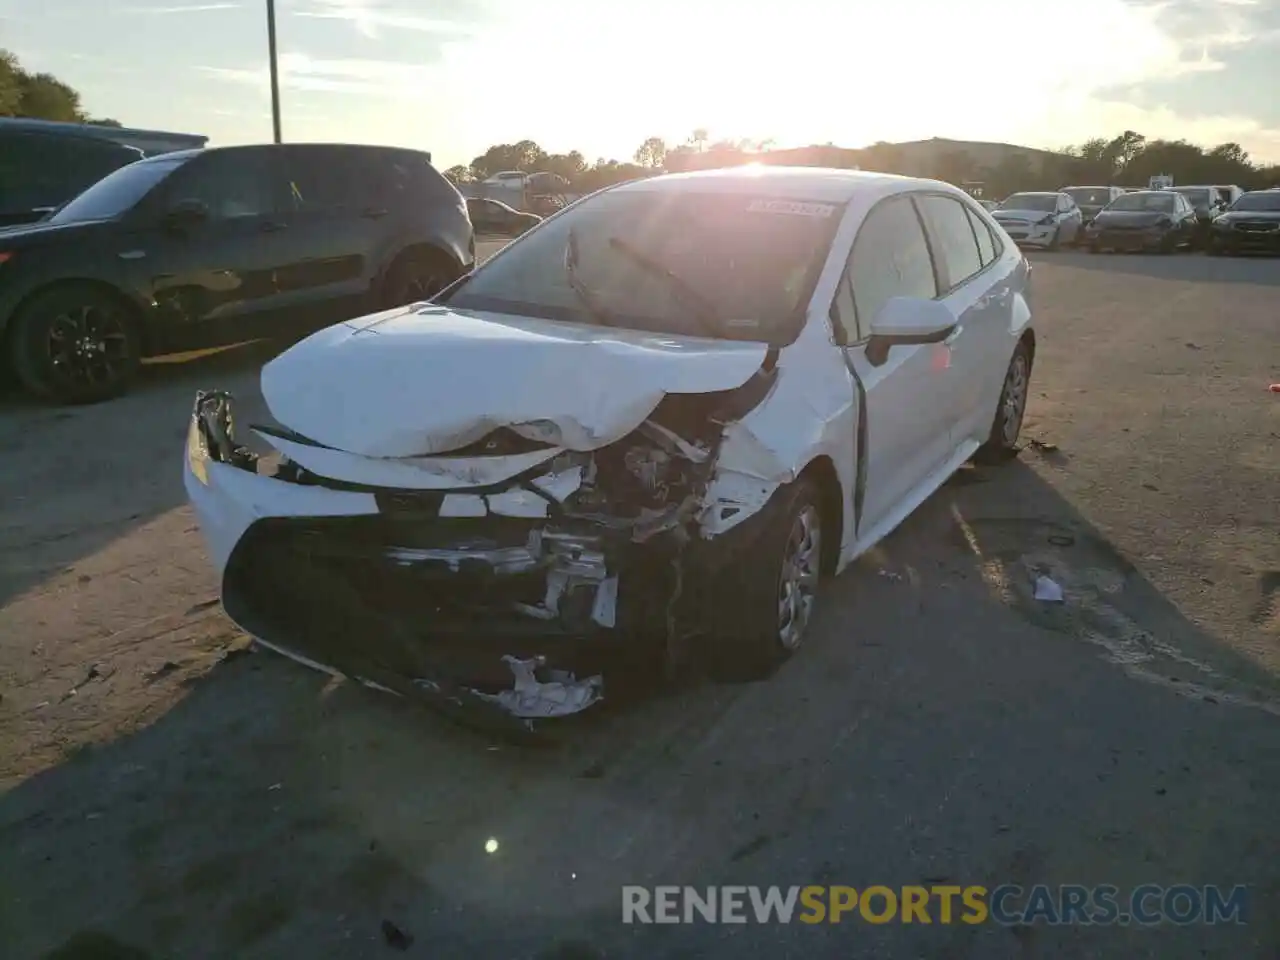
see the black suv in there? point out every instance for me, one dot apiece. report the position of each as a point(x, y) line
point(209, 247)
point(40, 171)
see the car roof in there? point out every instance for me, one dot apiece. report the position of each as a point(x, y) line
point(833, 185)
point(1163, 193)
point(1090, 186)
point(1035, 193)
point(291, 146)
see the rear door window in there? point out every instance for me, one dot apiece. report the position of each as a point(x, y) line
point(955, 245)
point(333, 179)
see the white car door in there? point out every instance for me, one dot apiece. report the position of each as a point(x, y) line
point(979, 305)
point(904, 433)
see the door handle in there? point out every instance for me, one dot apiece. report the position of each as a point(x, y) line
point(374, 213)
point(954, 335)
point(271, 226)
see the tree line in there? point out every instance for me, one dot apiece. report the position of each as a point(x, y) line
point(1129, 159)
point(39, 96)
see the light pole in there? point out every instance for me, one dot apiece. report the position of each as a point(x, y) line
point(275, 72)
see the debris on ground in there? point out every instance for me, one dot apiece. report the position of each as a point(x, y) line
point(396, 937)
point(1048, 590)
point(1043, 446)
point(93, 674)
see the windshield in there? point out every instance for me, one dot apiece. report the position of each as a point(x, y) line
point(1143, 202)
point(1047, 202)
point(1089, 196)
point(735, 266)
point(1263, 200)
point(1199, 196)
point(117, 192)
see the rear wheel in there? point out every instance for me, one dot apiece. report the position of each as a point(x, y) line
point(76, 343)
point(414, 277)
point(1007, 426)
point(1055, 239)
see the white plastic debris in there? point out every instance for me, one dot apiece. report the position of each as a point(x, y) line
point(1048, 590)
point(530, 697)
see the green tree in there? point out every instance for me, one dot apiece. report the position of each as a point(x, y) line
point(652, 153)
point(458, 174)
point(522, 155)
point(11, 84)
point(46, 97)
point(568, 166)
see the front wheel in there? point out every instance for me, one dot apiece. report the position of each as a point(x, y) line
point(76, 343)
point(1002, 442)
point(775, 590)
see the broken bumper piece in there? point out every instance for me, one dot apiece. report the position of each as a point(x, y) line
point(511, 599)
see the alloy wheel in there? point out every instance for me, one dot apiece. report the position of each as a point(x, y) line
point(88, 346)
point(1015, 398)
point(798, 581)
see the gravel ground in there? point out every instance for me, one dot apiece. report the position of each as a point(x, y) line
point(168, 790)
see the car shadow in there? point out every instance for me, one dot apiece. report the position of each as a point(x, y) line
point(1193, 267)
point(941, 726)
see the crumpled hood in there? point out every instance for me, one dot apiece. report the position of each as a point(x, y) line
point(424, 380)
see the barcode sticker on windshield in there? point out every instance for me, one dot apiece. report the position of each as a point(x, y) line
point(823, 210)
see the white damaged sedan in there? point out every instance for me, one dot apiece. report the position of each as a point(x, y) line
point(665, 415)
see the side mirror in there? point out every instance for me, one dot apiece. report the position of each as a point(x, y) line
point(186, 214)
point(908, 320)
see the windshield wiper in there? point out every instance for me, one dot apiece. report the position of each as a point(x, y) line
point(707, 312)
point(589, 298)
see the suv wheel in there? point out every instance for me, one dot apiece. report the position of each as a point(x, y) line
point(76, 344)
point(415, 277)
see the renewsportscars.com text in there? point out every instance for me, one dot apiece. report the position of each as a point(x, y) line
point(1008, 905)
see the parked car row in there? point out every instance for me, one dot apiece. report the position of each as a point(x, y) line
point(208, 247)
point(1215, 218)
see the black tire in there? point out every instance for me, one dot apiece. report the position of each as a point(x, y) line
point(414, 277)
point(1213, 247)
point(1094, 247)
point(1006, 426)
point(1167, 244)
point(1056, 241)
point(76, 343)
point(751, 633)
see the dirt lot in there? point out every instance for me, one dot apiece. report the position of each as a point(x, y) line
point(167, 790)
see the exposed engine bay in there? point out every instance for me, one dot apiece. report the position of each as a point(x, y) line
point(514, 595)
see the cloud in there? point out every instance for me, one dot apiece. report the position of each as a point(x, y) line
point(186, 8)
point(370, 17)
point(301, 72)
point(1214, 24)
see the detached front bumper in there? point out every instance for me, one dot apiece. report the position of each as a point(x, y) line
point(489, 616)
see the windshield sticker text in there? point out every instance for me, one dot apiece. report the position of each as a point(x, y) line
point(822, 210)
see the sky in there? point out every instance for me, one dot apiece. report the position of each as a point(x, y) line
point(599, 76)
